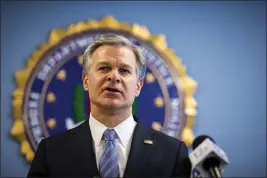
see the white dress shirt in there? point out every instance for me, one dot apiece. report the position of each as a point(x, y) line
point(123, 144)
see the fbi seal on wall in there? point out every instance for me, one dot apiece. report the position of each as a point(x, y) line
point(49, 97)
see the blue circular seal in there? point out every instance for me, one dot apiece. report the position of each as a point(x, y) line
point(50, 97)
point(55, 101)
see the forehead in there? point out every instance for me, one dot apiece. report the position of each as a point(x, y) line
point(110, 53)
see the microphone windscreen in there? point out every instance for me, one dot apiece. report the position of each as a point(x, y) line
point(200, 139)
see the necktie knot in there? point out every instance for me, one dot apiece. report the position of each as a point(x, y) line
point(110, 134)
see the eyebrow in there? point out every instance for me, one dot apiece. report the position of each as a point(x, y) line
point(108, 63)
point(102, 63)
point(126, 66)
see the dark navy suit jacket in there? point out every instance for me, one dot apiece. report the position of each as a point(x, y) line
point(71, 154)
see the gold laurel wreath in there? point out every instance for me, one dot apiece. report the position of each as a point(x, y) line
point(141, 32)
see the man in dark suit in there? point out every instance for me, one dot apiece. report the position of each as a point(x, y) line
point(111, 143)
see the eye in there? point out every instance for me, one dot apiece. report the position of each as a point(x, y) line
point(103, 68)
point(125, 71)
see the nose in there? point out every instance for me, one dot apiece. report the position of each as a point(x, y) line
point(114, 76)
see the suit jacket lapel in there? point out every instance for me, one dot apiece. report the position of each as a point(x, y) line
point(85, 150)
point(139, 151)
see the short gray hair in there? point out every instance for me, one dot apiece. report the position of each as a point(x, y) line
point(116, 40)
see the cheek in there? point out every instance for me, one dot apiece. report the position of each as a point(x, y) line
point(96, 82)
point(94, 79)
point(92, 83)
point(131, 87)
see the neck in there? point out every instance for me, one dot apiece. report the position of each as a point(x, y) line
point(110, 117)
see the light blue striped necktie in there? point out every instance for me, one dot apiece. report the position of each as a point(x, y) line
point(108, 165)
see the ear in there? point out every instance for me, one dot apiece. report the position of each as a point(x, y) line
point(85, 82)
point(139, 86)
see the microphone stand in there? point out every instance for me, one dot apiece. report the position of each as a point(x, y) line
point(214, 172)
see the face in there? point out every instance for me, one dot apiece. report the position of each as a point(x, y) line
point(112, 81)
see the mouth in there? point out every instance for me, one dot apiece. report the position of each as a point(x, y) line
point(115, 90)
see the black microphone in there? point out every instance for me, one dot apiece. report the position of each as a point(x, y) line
point(207, 158)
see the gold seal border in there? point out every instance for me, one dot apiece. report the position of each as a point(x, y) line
point(107, 22)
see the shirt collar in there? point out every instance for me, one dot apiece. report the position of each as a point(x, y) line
point(124, 130)
point(97, 129)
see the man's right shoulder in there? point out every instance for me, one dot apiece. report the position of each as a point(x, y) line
point(65, 135)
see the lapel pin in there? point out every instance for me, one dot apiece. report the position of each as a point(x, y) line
point(149, 142)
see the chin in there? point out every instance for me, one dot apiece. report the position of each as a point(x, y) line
point(112, 104)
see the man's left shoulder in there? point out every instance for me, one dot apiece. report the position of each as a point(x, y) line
point(164, 139)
